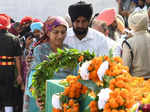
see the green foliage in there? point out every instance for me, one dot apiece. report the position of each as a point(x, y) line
point(64, 99)
point(64, 83)
point(91, 85)
point(67, 58)
point(111, 53)
point(87, 109)
point(106, 80)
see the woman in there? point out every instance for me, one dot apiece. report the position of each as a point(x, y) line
point(55, 29)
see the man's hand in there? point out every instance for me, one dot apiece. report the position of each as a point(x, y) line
point(124, 13)
point(19, 79)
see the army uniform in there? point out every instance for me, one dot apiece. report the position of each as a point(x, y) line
point(9, 48)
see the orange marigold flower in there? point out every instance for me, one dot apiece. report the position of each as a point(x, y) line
point(75, 109)
point(56, 110)
point(120, 84)
point(107, 110)
point(78, 77)
point(113, 103)
point(124, 93)
point(122, 111)
point(65, 107)
point(93, 76)
point(71, 102)
point(69, 110)
point(66, 91)
point(72, 94)
point(126, 68)
point(106, 58)
point(118, 59)
point(114, 110)
point(81, 58)
point(77, 94)
point(120, 100)
point(93, 104)
point(84, 89)
point(78, 85)
point(90, 67)
point(129, 103)
point(94, 109)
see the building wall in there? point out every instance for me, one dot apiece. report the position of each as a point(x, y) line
point(44, 8)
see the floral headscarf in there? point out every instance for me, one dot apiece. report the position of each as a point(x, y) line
point(54, 21)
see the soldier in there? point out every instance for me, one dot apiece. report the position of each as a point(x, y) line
point(10, 53)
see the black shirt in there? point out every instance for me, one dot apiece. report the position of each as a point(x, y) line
point(9, 45)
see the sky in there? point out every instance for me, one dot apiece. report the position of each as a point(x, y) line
point(44, 8)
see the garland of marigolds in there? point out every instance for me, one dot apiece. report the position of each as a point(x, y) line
point(118, 91)
point(62, 59)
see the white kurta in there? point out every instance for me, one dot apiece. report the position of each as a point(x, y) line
point(114, 46)
point(94, 41)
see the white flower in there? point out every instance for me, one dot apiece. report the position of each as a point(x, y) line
point(102, 69)
point(103, 97)
point(56, 101)
point(84, 73)
point(135, 107)
point(124, 71)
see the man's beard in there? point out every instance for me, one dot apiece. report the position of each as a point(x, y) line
point(80, 31)
point(141, 6)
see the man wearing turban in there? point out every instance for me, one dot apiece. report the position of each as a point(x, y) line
point(80, 36)
point(25, 25)
point(138, 60)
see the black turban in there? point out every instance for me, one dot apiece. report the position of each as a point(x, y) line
point(80, 9)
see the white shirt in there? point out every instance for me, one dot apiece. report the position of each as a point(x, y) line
point(138, 8)
point(116, 48)
point(94, 41)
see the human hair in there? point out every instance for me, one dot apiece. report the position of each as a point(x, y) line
point(101, 24)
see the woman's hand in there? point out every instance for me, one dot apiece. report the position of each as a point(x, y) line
point(39, 103)
point(29, 60)
point(28, 42)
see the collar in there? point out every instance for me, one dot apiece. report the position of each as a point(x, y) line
point(89, 35)
point(141, 31)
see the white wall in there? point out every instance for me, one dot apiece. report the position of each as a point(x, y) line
point(44, 8)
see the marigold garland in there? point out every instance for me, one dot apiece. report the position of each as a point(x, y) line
point(115, 67)
point(126, 89)
point(93, 106)
point(73, 92)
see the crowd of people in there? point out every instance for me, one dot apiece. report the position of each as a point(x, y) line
point(26, 43)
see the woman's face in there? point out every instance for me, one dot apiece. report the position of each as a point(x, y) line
point(57, 35)
point(38, 34)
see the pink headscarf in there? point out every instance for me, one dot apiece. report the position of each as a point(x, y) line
point(54, 21)
point(108, 16)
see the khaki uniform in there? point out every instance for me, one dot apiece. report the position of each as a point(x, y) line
point(140, 45)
